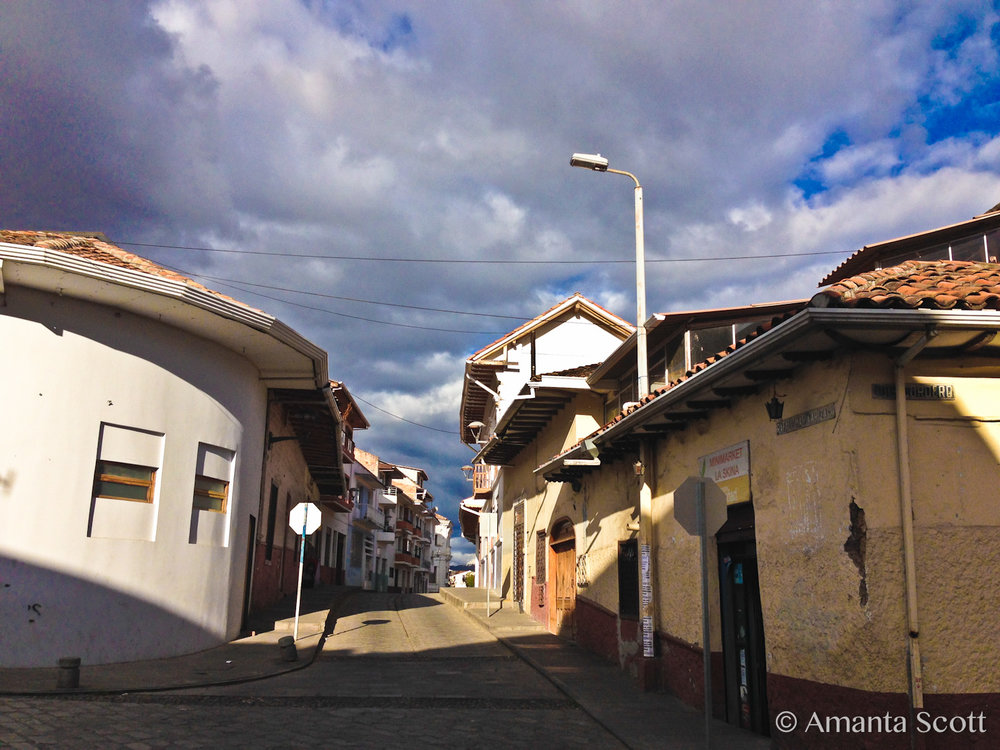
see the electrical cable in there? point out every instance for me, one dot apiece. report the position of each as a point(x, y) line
point(404, 419)
point(483, 261)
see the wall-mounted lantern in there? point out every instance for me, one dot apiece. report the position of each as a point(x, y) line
point(775, 408)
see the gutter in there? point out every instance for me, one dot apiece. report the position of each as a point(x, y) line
point(169, 288)
point(915, 670)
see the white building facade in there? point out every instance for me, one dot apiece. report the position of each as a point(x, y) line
point(130, 466)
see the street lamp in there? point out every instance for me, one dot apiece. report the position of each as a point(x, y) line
point(599, 163)
point(644, 469)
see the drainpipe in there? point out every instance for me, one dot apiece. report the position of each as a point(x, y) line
point(906, 523)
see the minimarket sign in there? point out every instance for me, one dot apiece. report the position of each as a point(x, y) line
point(730, 468)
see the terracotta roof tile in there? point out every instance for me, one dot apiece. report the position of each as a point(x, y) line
point(573, 372)
point(940, 285)
point(656, 393)
point(96, 248)
point(945, 285)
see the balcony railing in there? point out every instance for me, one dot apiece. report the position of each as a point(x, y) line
point(482, 477)
point(403, 558)
point(374, 515)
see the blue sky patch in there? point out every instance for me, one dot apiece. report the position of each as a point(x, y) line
point(978, 112)
point(353, 19)
point(952, 38)
point(809, 180)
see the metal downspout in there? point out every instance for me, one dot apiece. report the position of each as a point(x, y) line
point(906, 522)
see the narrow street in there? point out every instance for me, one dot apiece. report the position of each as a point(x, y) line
point(398, 670)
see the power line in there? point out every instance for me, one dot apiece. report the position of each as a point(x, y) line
point(358, 317)
point(347, 299)
point(404, 419)
point(479, 261)
point(241, 285)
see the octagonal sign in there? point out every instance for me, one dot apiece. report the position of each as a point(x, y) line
point(686, 505)
point(307, 515)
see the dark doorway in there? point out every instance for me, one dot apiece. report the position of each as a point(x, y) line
point(742, 624)
point(248, 582)
point(341, 542)
point(628, 579)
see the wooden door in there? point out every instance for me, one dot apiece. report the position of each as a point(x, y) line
point(562, 571)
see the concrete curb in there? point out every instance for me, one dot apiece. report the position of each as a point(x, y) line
point(271, 668)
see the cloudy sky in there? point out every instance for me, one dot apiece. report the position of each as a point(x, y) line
point(392, 178)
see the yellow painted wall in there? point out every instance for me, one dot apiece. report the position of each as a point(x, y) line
point(803, 484)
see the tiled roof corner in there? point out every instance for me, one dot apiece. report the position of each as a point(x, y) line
point(939, 285)
point(573, 372)
point(95, 248)
point(658, 392)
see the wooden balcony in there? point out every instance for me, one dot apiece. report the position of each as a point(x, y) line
point(483, 476)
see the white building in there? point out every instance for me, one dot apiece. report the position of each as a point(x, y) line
point(383, 521)
point(440, 553)
point(135, 406)
point(522, 374)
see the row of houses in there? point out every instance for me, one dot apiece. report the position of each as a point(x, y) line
point(854, 438)
point(156, 436)
point(382, 533)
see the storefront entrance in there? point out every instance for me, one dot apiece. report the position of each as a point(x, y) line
point(742, 623)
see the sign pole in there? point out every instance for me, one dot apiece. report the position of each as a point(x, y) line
point(302, 557)
point(700, 508)
point(705, 627)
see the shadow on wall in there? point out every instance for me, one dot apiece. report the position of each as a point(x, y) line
point(46, 615)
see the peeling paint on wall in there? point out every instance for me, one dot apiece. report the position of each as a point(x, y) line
point(856, 547)
point(803, 500)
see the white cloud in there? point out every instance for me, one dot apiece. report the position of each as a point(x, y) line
point(750, 218)
point(877, 158)
point(439, 401)
point(443, 130)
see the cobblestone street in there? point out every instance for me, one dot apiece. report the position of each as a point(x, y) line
point(398, 670)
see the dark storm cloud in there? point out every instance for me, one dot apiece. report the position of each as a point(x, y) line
point(101, 129)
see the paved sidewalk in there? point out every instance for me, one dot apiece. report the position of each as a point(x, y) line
point(636, 718)
point(253, 657)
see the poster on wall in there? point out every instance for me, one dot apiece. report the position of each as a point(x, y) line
point(730, 468)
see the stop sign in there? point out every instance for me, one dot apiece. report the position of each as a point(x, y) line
point(686, 505)
point(304, 515)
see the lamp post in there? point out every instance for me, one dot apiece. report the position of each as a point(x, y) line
point(599, 163)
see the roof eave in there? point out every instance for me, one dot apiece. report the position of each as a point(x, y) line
point(775, 341)
point(83, 278)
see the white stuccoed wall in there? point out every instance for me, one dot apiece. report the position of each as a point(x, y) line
point(559, 346)
point(66, 367)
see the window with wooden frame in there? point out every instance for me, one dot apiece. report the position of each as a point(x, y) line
point(122, 481)
point(210, 494)
point(212, 474)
